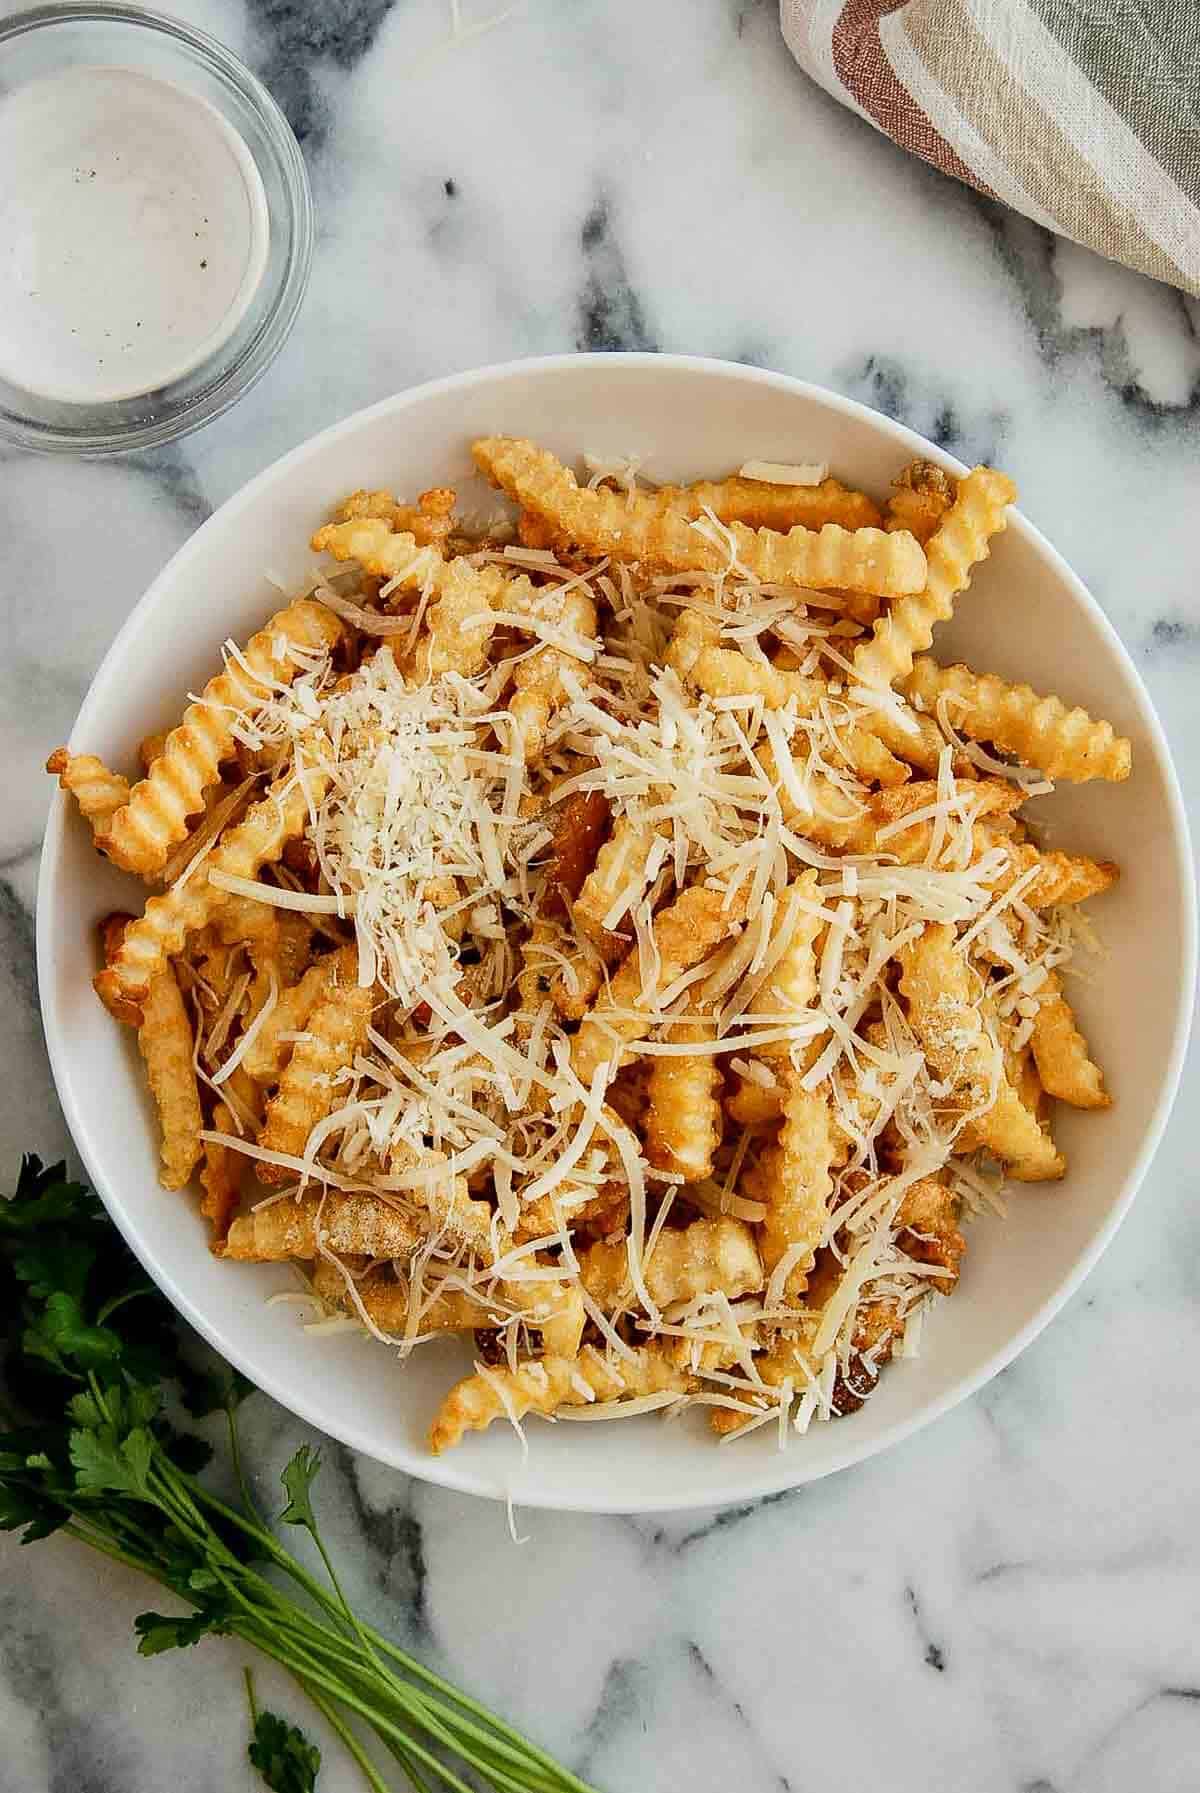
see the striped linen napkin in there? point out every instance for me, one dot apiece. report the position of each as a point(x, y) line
point(1083, 114)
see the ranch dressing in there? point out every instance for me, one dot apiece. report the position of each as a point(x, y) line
point(133, 234)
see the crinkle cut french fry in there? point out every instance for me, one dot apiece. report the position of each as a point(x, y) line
point(165, 1043)
point(141, 834)
point(387, 1303)
point(704, 1258)
point(723, 672)
point(685, 933)
point(578, 829)
point(795, 1182)
point(459, 625)
point(158, 934)
point(429, 521)
point(381, 551)
point(453, 1214)
point(927, 1222)
point(961, 540)
point(942, 994)
point(99, 792)
point(1061, 877)
point(149, 748)
point(578, 983)
point(1041, 731)
point(1060, 1051)
point(336, 1028)
point(751, 1104)
point(761, 504)
point(920, 498)
point(473, 1404)
point(683, 1119)
point(539, 965)
point(269, 1051)
point(538, 683)
point(602, 1214)
point(793, 983)
point(617, 863)
point(553, 1309)
point(638, 528)
point(345, 1221)
point(694, 631)
point(220, 1180)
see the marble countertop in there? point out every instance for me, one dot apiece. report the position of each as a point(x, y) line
point(1008, 1603)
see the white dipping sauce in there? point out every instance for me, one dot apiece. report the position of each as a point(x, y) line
point(133, 234)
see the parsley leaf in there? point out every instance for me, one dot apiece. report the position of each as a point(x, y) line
point(284, 1757)
point(67, 1341)
point(297, 1480)
point(156, 1632)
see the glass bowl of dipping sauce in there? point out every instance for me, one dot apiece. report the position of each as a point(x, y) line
point(156, 229)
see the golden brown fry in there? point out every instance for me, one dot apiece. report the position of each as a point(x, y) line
point(795, 1184)
point(927, 1223)
point(1061, 877)
point(459, 625)
point(723, 672)
point(943, 994)
point(539, 967)
point(618, 864)
point(429, 521)
point(1061, 1054)
point(165, 1043)
point(221, 1180)
point(1039, 730)
point(342, 1221)
point(335, 1030)
point(141, 834)
point(269, 1051)
point(380, 551)
point(601, 1214)
point(961, 540)
point(704, 1258)
point(694, 631)
point(99, 792)
point(538, 684)
point(920, 498)
point(751, 1104)
point(579, 828)
point(1023, 1075)
point(387, 1302)
point(639, 528)
point(579, 982)
point(473, 1404)
point(452, 1213)
point(793, 984)
point(257, 840)
point(553, 1309)
point(150, 747)
point(685, 933)
point(683, 1120)
point(761, 504)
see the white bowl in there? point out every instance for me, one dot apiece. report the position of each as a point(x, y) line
point(1027, 616)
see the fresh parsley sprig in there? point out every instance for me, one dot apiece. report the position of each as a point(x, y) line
point(89, 1352)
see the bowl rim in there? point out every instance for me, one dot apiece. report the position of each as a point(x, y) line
point(785, 1470)
point(269, 336)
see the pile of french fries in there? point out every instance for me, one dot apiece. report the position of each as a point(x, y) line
point(609, 934)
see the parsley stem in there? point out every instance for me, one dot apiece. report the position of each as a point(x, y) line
point(337, 1723)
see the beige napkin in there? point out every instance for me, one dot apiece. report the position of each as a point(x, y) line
point(1083, 114)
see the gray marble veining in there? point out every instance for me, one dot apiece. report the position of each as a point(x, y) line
point(1007, 1603)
